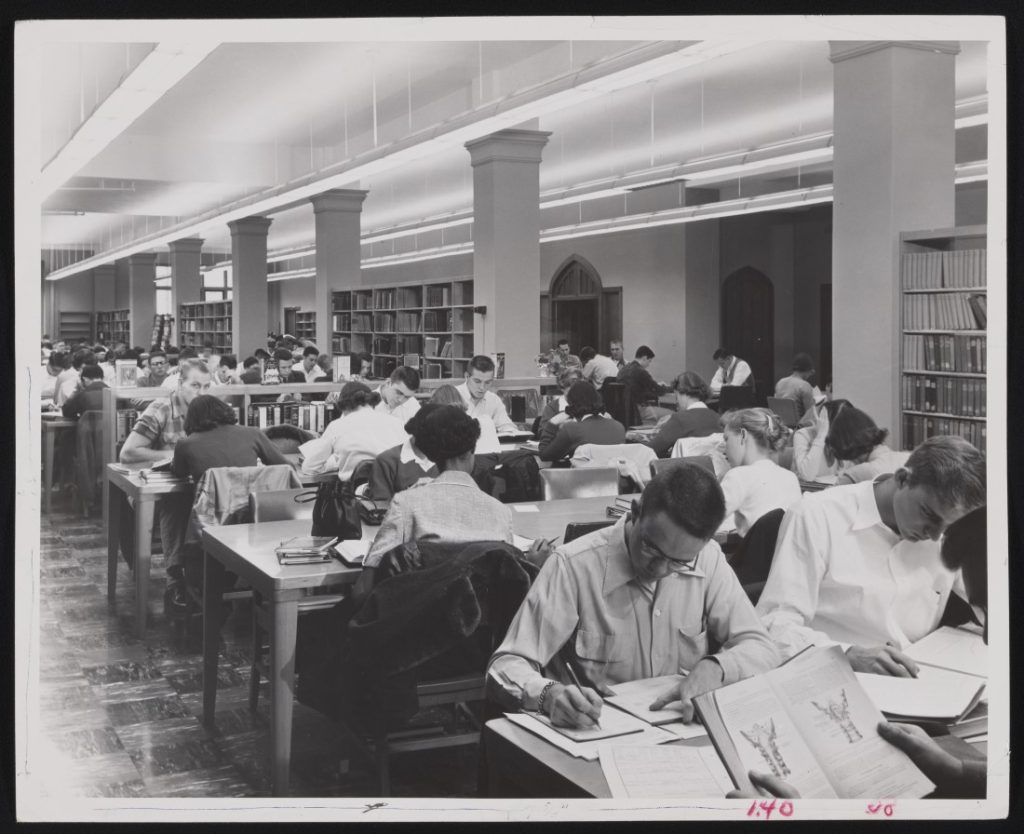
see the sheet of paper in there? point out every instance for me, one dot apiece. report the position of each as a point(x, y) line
point(521, 542)
point(952, 648)
point(640, 772)
point(353, 551)
point(525, 508)
point(587, 750)
point(613, 722)
point(934, 693)
point(681, 730)
point(826, 479)
point(635, 697)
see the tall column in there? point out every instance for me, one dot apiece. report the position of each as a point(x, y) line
point(249, 284)
point(141, 297)
point(506, 245)
point(338, 215)
point(893, 171)
point(186, 281)
point(104, 290)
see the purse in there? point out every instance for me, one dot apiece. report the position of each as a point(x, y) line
point(335, 511)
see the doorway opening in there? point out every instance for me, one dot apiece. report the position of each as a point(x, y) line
point(748, 325)
point(579, 308)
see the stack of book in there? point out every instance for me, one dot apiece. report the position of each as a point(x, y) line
point(159, 472)
point(620, 507)
point(305, 550)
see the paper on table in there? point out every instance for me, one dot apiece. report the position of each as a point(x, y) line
point(681, 730)
point(521, 542)
point(353, 551)
point(952, 648)
point(613, 722)
point(635, 696)
point(587, 750)
point(635, 772)
point(525, 508)
point(934, 693)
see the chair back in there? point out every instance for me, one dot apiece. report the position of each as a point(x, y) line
point(736, 396)
point(662, 464)
point(712, 446)
point(786, 410)
point(753, 559)
point(361, 474)
point(580, 483)
point(575, 529)
point(89, 459)
point(222, 494)
point(633, 460)
point(618, 402)
point(279, 505)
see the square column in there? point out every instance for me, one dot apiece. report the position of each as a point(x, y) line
point(338, 218)
point(186, 281)
point(506, 245)
point(249, 284)
point(893, 172)
point(141, 297)
point(104, 290)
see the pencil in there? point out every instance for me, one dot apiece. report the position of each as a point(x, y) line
point(579, 686)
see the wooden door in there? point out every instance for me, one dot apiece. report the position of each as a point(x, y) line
point(748, 324)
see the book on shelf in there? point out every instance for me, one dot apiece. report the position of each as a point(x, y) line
point(430, 345)
point(446, 349)
point(811, 723)
point(342, 365)
point(432, 370)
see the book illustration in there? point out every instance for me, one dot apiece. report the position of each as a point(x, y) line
point(839, 713)
point(763, 738)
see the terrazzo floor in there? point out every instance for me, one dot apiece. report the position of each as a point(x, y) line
point(120, 716)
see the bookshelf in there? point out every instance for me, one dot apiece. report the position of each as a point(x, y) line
point(428, 325)
point(113, 326)
point(943, 350)
point(305, 325)
point(74, 327)
point(163, 330)
point(205, 321)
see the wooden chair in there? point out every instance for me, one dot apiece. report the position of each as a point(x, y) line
point(89, 461)
point(786, 410)
point(575, 529)
point(618, 402)
point(661, 464)
point(580, 483)
point(736, 396)
point(753, 558)
point(279, 505)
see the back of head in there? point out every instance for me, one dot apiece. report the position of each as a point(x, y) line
point(643, 352)
point(356, 395)
point(229, 361)
point(586, 354)
point(59, 360)
point(187, 353)
point(951, 469)
point(690, 496)
point(250, 361)
point(207, 412)
point(802, 363)
point(283, 355)
point(409, 377)
point(481, 363)
point(567, 376)
point(852, 434)
point(833, 407)
point(448, 395)
point(325, 363)
point(721, 353)
point(91, 373)
point(446, 432)
point(763, 425)
point(582, 399)
point(83, 356)
point(693, 385)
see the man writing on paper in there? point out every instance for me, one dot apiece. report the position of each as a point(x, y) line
point(860, 564)
point(651, 595)
point(480, 400)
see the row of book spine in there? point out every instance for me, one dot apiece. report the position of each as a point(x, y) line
point(934, 270)
point(945, 352)
point(440, 296)
point(945, 311)
point(918, 428)
point(944, 395)
point(311, 416)
point(123, 423)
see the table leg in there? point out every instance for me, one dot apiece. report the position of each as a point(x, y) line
point(113, 527)
point(213, 585)
point(48, 438)
point(143, 552)
point(284, 628)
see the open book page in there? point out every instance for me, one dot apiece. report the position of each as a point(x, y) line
point(952, 648)
point(353, 551)
point(636, 696)
point(637, 772)
point(936, 694)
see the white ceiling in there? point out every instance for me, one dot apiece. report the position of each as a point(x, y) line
point(252, 116)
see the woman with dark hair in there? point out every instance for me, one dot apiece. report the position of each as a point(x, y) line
point(855, 438)
point(213, 438)
point(583, 421)
point(692, 418)
point(358, 434)
point(811, 459)
point(404, 466)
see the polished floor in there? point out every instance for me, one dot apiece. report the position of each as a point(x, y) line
point(120, 715)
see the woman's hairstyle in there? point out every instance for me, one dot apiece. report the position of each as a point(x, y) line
point(582, 399)
point(356, 398)
point(586, 354)
point(207, 412)
point(833, 407)
point(764, 426)
point(448, 395)
point(567, 376)
point(325, 363)
point(413, 423)
point(693, 385)
point(852, 434)
point(445, 433)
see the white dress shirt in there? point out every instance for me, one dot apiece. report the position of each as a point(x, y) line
point(67, 384)
point(488, 444)
point(402, 412)
point(349, 440)
point(600, 368)
point(841, 575)
point(314, 373)
point(740, 372)
point(490, 405)
point(751, 491)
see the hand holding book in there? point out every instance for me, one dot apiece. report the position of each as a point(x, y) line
point(704, 677)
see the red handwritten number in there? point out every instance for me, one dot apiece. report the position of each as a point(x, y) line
point(888, 808)
point(752, 810)
point(786, 808)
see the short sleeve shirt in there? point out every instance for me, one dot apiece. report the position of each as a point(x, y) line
point(163, 422)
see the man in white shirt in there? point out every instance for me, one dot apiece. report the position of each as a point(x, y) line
point(310, 368)
point(479, 399)
point(731, 371)
point(69, 380)
point(860, 564)
point(616, 353)
point(398, 394)
point(597, 368)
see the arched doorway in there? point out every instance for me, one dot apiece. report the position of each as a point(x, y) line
point(579, 308)
point(748, 324)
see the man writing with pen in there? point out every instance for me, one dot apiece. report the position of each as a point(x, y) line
point(651, 595)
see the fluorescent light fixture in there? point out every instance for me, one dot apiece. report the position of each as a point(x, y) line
point(291, 274)
point(971, 172)
point(289, 254)
point(463, 218)
point(158, 72)
point(421, 255)
point(972, 111)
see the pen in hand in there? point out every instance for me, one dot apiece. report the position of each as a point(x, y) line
point(579, 686)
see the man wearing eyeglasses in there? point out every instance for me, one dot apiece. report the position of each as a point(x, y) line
point(158, 370)
point(651, 595)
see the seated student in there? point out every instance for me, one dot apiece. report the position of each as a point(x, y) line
point(731, 371)
point(854, 438)
point(796, 387)
point(55, 366)
point(310, 368)
point(359, 434)
point(451, 508)
point(566, 378)
point(616, 354)
point(89, 397)
point(404, 466)
point(158, 370)
point(325, 364)
point(565, 355)
point(226, 372)
point(642, 387)
point(860, 564)
point(398, 394)
point(598, 368)
point(479, 399)
point(651, 595)
point(755, 484)
point(69, 380)
point(285, 363)
point(965, 549)
point(488, 444)
point(692, 419)
point(250, 371)
point(214, 438)
point(812, 459)
point(583, 421)
point(362, 366)
point(178, 361)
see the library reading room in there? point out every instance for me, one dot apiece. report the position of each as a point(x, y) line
point(469, 414)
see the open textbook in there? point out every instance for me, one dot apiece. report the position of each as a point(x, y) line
point(960, 649)
point(810, 723)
